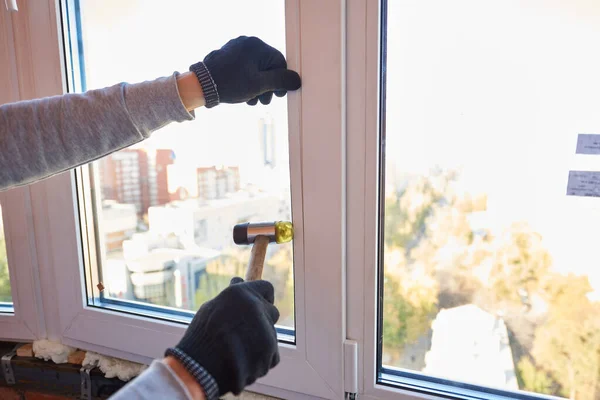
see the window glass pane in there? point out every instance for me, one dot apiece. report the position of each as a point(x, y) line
point(490, 270)
point(5, 295)
point(166, 207)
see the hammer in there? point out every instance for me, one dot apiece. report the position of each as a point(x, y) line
point(261, 234)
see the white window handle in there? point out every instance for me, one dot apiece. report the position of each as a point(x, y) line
point(11, 5)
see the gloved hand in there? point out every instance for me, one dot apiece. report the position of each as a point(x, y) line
point(246, 69)
point(233, 336)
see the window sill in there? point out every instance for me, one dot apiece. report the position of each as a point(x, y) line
point(35, 378)
point(249, 396)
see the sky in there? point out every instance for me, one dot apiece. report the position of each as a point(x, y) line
point(499, 90)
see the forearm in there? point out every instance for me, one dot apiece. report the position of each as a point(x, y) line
point(40, 138)
point(161, 381)
point(193, 387)
point(190, 91)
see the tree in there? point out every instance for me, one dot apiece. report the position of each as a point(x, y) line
point(453, 251)
point(5, 293)
point(435, 257)
point(430, 251)
point(278, 269)
point(409, 307)
point(410, 289)
point(521, 264)
point(534, 379)
point(219, 273)
point(280, 272)
point(568, 343)
point(406, 211)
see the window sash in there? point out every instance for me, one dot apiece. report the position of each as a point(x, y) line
point(364, 121)
point(93, 242)
point(366, 95)
point(312, 365)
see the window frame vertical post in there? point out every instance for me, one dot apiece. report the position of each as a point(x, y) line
point(27, 322)
point(362, 193)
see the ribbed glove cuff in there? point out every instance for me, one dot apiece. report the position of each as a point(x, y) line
point(206, 381)
point(209, 87)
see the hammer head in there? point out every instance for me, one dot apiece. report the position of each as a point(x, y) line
point(279, 232)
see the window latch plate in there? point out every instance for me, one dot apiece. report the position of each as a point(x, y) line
point(7, 370)
point(350, 369)
point(86, 383)
point(11, 5)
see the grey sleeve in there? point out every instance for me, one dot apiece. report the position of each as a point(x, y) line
point(157, 382)
point(40, 138)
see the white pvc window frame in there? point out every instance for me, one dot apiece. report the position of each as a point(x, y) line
point(335, 45)
point(364, 122)
point(364, 44)
point(26, 322)
point(313, 366)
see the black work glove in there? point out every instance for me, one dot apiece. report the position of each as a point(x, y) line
point(233, 336)
point(246, 69)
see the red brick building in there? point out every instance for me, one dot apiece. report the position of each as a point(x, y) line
point(215, 183)
point(136, 176)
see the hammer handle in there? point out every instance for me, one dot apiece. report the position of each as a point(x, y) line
point(257, 258)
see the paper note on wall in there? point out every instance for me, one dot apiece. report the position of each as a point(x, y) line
point(588, 144)
point(583, 183)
